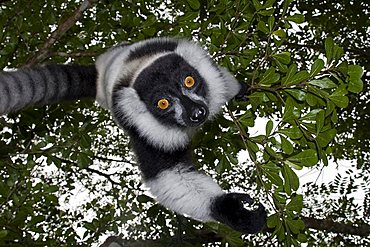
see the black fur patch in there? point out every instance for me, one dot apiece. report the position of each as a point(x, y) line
point(153, 161)
point(155, 46)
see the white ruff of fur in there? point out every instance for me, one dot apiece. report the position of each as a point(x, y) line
point(222, 86)
point(136, 114)
point(113, 65)
point(185, 192)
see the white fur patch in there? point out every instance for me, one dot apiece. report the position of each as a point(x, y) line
point(193, 96)
point(185, 192)
point(222, 86)
point(136, 114)
point(109, 66)
point(178, 111)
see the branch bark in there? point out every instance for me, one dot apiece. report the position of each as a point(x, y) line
point(198, 237)
point(44, 52)
point(336, 227)
point(75, 54)
point(204, 237)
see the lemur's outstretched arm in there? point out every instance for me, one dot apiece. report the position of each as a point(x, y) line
point(44, 85)
point(174, 181)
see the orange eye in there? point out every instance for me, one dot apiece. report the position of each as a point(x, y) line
point(163, 104)
point(189, 81)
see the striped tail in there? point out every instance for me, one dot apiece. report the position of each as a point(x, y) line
point(45, 84)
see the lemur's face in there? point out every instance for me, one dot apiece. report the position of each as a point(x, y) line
point(174, 92)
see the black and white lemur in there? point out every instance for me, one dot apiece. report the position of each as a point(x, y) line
point(159, 91)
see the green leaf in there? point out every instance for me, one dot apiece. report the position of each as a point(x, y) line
point(257, 98)
point(334, 116)
point(273, 220)
point(329, 48)
point(194, 4)
point(290, 178)
point(262, 27)
point(289, 110)
point(281, 34)
point(294, 225)
point(36, 219)
point(232, 158)
point(316, 67)
point(297, 18)
point(337, 52)
point(283, 57)
point(51, 188)
point(339, 98)
point(273, 177)
point(323, 83)
point(223, 165)
point(355, 85)
point(297, 94)
point(293, 132)
point(269, 77)
point(269, 127)
point(267, 12)
point(84, 160)
point(311, 116)
point(355, 71)
point(299, 77)
point(252, 150)
point(271, 22)
point(324, 138)
point(85, 140)
point(253, 146)
point(257, 5)
point(320, 119)
point(247, 119)
point(295, 204)
point(3, 233)
point(234, 238)
point(289, 76)
point(311, 99)
point(269, 3)
point(295, 166)
point(286, 145)
point(302, 238)
point(305, 158)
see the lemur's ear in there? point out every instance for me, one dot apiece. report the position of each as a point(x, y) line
point(242, 92)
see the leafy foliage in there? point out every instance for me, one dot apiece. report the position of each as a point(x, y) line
point(68, 176)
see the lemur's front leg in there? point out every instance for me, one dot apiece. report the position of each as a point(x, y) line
point(174, 181)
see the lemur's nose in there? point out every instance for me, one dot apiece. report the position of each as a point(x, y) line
point(198, 114)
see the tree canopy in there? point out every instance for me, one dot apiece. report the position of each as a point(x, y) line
point(68, 176)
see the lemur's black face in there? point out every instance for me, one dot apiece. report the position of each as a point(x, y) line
point(173, 92)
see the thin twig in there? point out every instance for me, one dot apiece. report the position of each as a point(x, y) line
point(74, 54)
point(44, 52)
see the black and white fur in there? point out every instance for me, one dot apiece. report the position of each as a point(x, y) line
point(128, 81)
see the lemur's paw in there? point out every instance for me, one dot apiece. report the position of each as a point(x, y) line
point(229, 209)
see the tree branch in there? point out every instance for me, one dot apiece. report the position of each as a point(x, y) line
point(44, 52)
point(107, 176)
point(74, 54)
point(196, 238)
point(204, 236)
point(358, 52)
point(336, 227)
